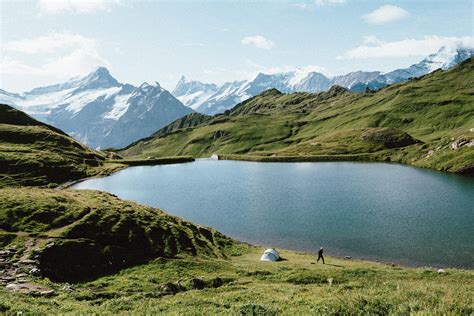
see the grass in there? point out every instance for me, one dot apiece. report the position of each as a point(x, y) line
point(244, 285)
point(33, 153)
point(84, 234)
point(36, 154)
point(414, 122)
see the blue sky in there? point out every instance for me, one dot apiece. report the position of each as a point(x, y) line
point(44, 42)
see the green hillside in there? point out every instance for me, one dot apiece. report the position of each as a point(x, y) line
point(426, 122)
point(33, 153)
point(77, 235)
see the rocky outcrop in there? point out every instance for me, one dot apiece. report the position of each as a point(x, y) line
point(17, 272)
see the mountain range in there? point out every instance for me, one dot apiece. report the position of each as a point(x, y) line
point(98, 110)
point(425, 121)
point(212, 99)
point(101, 112)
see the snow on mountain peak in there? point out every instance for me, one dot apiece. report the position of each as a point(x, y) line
point(447, 56)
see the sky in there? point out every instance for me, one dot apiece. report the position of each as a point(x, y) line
point(44, 42)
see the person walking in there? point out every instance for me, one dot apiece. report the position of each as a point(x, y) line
point(320, 255)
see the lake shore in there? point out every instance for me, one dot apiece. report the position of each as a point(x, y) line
point(165, 199)
point(366, 157)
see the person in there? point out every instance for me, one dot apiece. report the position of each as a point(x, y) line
point(320, 255)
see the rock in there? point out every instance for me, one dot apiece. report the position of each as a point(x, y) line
point(460, 142)
point(348, 257)
point(47, 293)
point(28, 261)
point(330, 280)
point(169, 288)
point(21, 275)
point(12, 286)
point(67, 288)
point(441, 271)
point(7, 279)
point(28, 288)
point(35, 272)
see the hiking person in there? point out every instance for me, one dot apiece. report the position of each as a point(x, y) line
point(320, 255)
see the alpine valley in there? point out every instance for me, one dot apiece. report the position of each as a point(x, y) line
point(101, 112)
point(273, 193)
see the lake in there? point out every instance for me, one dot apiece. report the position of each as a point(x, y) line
point(389, 212)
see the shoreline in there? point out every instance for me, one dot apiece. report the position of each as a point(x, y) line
point(365, 157)
point(124, 164)
point(354, 258)
point(293, 159)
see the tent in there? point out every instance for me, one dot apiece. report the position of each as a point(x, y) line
point(270, 255)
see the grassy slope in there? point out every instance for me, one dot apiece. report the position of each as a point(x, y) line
point(436, 110)
point(33, 153)
point(243, 285)
point(83, 234)
point(36, 154)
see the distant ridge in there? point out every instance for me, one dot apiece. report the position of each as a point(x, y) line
point(212, 99)
point(425, 121)
point(99, 111)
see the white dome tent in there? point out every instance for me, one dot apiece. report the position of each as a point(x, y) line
point(270, 255)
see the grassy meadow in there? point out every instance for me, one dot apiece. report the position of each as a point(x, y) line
point(242, 285)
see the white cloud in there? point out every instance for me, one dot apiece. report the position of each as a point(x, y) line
point(49, 43)
point(375, 48)
point(321, 3)
point(63, 55)
point(74, 6)
point(310, 6)
point(258, 41)
point(252, 69)
point(372, 40)
point(385, 14)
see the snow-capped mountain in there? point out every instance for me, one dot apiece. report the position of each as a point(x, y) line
point(218, 99)
point(351, 79)
point(211, 99)
point(444, 59)
point(193, 93)
point(98, 110)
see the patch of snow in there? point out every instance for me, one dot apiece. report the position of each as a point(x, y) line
point(297, 77)
point(119, 108)
point(78, 101)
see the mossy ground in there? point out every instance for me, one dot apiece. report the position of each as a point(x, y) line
point(244, 285)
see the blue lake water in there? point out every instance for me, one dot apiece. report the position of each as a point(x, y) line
point(389, 212)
